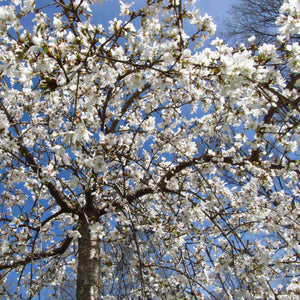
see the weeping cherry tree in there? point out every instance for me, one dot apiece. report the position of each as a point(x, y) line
point(142, 165)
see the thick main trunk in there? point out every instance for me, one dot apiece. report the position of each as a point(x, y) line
point(88, 270)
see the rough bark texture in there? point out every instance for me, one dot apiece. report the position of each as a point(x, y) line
point(88, 273)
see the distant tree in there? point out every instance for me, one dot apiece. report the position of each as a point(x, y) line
point(142, 166)
point(247, 18)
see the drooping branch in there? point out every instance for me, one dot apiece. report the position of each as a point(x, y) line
point(35, 256)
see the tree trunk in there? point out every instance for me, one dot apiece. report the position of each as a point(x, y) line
point(88, 269)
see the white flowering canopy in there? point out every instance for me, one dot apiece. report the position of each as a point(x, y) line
point(182, 161)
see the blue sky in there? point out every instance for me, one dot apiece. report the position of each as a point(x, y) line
point(110, 9)
point(214, 8)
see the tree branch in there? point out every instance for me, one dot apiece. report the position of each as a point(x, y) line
point(35, 256)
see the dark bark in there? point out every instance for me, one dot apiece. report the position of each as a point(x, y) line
point(88, 269)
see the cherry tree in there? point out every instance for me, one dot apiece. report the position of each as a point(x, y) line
point(141, 164)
